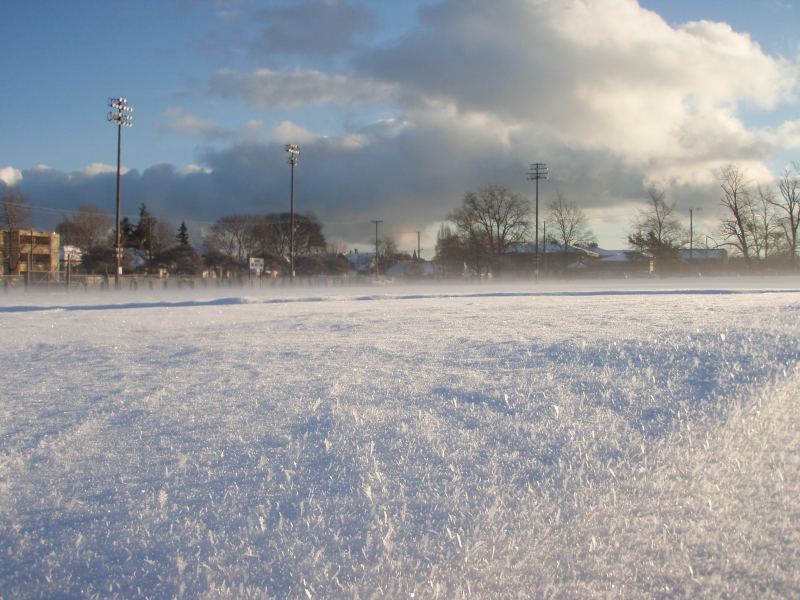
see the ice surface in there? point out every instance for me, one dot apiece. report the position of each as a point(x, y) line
point(491, 440)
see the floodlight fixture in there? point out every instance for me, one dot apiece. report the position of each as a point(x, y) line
point(120, 115)
point(294, 152)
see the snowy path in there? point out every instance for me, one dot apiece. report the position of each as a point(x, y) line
point(490, 443)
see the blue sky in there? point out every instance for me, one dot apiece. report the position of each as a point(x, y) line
point(398, 107)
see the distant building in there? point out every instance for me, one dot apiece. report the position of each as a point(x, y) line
point(362, 262)
point(28, 250)
point(703, 256)
point(520, 258)
point(411, 269)
point(601, 262)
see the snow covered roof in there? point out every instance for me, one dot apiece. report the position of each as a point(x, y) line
point(549, 248)
point(360, 260)
point(618, 256)
point(703, 254)
point(411, 268)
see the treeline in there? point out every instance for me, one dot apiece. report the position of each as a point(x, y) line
point(493, 223)
point(759, 226)
point(150, 244)
point(759, 223)
point(147, 245)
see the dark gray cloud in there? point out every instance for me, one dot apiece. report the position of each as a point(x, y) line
point(313, 27)
point(407, 175)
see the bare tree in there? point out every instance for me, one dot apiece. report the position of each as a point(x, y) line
point(336, 247)
point(737, 199)
point(657, 232)
point(162, 236)
point(763, 223)
point(390, 254)
point(241, 236)
point(789, 207)
point(451, 252)
point(229, 237)
point(494, 216)
point(271, 234)
point(89, 228)
point(570, 223)
point(14, 212)
point(14, 215)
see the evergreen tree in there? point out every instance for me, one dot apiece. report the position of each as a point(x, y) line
point(145, 230)
point(127, 233)
point(183, 234)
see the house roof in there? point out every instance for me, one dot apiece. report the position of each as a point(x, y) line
point(703, 254)
point(360, 260)
point(410, 268)
point(549, 248)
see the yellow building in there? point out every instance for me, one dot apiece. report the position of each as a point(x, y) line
point(28, 250)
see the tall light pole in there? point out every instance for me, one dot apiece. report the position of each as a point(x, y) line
point(377, 271)
point(120, 115)
point(691, 231)
point(536, 172)
point(293, 151)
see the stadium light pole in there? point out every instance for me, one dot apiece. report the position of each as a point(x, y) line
point(377, 271)
point(293, 152)
point(536, 172)
point(120, 115)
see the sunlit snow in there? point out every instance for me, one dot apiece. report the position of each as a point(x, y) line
point(518, 440)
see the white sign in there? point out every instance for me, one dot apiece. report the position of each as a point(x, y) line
point(257, 264)
point(72, 254)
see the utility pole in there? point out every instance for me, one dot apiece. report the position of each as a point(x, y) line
point(544, 245)
point(419, 248)
point(691, 231)
point(120, 115)
point(536, 172)
point(293, 151)
point(377, 270)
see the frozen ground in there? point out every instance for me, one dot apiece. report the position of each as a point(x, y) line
point(485, 441)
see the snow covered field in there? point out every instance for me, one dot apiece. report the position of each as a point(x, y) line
point(439, 442)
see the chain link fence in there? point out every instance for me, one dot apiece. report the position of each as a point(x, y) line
point(45, 281)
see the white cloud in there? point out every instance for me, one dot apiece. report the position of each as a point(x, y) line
point(600, 75)
point(10, 176)
point(788, 134)
point(100, 169)
point(193, 169)
point(290, 133)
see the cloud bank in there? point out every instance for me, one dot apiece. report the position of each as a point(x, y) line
point(609, 94)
